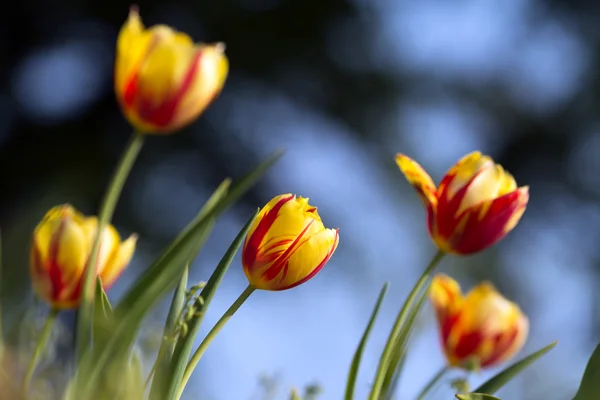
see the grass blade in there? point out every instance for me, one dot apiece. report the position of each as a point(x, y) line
point(184, 345)
point(168, 343)
point(590, 383)
point(500, 379)
point(354, 367)
point(160, 278)
point(394, 370)
point(476, 396)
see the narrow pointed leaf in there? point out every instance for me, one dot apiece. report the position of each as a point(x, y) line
point(393, 385)
point(496, 382)
point(168, 343)
point(395, 367)
point(102, 322)
point(590, 383)
point(355, 366)
point(161, 277)
point(476, 396)
point(158, 278)
point(183, 348)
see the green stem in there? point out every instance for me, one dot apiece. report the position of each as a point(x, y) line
point(154, 366)
point(389, 346)
point(107, 209)
point(40, 346)
point(211, 335)
point(434, 381)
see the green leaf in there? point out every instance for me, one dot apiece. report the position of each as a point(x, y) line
point(122, 380)
point(146, 292)
point(159, 278)
point(499, 380)
point(102, 318)
point(388, 356)
point(476, 396)
point(589, 389)
point(168, 339)
point(392, 387)
point(354, 367)
point(394, 370)
point(183, 348)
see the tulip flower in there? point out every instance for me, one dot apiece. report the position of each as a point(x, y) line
point(62, 243)
point(476, 204)
point(163, 80)
point(287, 244)
point(482, 327)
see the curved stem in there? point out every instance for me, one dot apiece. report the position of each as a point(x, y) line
point(433, 381)
point(107, 209)
point(40, 346)
point(389, 346)
point(211, 335)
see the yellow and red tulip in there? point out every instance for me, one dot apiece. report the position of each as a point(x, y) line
point(287, 244)
point(163, 80)
point(476, 204)
point(60, 249)
point(481, 327)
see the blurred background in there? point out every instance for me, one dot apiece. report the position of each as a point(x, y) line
point(342, 85)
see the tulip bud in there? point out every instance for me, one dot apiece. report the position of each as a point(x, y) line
point(476, 204)
point(287, 244)
point(61, 246)
point(481, 328)
point(162, 79)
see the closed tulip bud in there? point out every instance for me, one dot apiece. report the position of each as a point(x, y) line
point(163, 80)
point(287, 244)
point(476, 204)
point(481, 328)
point(60, 249)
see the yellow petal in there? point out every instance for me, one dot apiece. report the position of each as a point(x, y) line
point(521, 324)
point(207, 83)
point(488, 311)
point(445, 295)
point(132, 45)
point(419, 179)
point(72, 253)
point(164, 67)
point(284, 218)
point(109, 241)
point(119, 261)
point(309, 258)
point(267, 208)
point(462, 172)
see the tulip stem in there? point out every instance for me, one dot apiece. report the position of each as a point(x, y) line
point(388, 351)
point(211, 335)
point(107, 209)
point(38, 351)
point(433, 381)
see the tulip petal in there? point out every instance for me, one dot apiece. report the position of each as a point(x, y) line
point(257, 235)
point(277, 228)
point(483, 225)
point(309, 258)
point(108, 243)
point(204, 83)
point(489, 328)
point(508, 343)
point(118, 262)
point(132, 45)
point(419, 179)
point(461, 173)
point(445, 295)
